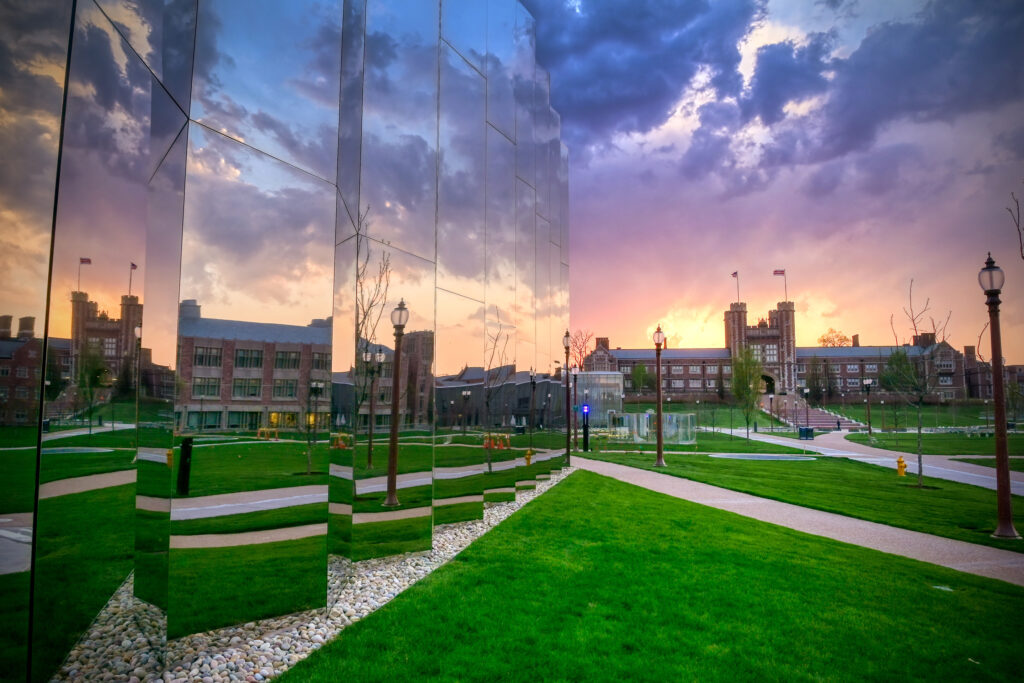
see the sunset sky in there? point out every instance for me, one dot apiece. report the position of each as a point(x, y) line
point(858, 145)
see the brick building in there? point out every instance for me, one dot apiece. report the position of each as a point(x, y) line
point(114, 338)
point(21, 370)
point(244, 375)
point(788, 368)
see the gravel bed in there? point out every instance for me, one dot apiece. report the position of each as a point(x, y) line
point(124, 643)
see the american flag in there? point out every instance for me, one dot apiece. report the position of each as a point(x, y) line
point(83, 261)
point(735, 273)
point(779, 271)
point(135, 267)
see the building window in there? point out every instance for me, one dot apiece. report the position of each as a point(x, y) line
point(677, 369)
point(21, 372)
point(801, 369)
point(712, 369)
point(727, 383)
point(286, 360)
point(771, 353)
point(206, 357)
point(756, 349)
point(206, 386)
point(853, 367)
point(695, 384)
point(944, 366)
point(109, 348)
point(852, 382)
point(835, 369)
point(285, 388)
point(711, 384)
point(694, 369)
point(5, 371)
point(21, 392)
point(678, 384)
point(627, 383)
point(870, 367)
point(247, 388)
point(4, 393)
point(726, 369)
point(248, 358)
point(321, 361)
point(946, 381)
point(801, 383)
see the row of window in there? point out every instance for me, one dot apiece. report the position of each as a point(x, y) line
point(801, 368)
point(21, 371)
point(680, 369)
point(19, 392)
point(244, 387)
point(210, 357)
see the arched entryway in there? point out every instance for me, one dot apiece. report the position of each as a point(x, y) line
point(767, 384)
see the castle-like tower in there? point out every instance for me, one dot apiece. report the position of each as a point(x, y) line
point(773, 341)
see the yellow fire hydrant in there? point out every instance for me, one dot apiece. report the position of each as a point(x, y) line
point(901, 467)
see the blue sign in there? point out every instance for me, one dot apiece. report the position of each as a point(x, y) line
point(586, 408)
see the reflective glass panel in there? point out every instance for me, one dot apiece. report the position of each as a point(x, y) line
point(543, 296)
point(459, 394)
point(526, 273)
point(543, 138)
point(563, 204)
point(464, 26)
point(500, 61)
point(350, 125)
point(460, 211)
point(270, 77)
point(399, 144)
point(523, 87)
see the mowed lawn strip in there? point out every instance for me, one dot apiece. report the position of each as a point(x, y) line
point(939, 444)
point(598, 580)
point(707, 442)
point(1016, 464)
point(850, 488)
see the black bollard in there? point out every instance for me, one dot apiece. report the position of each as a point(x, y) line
point(185, 466)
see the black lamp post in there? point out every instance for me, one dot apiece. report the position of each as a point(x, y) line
point(659, 339)
point(991, 279)
point(807, 407)
point(316, 387)
point(533, 391)
point(566, 339)
point(771, 412)
point(867, 387)
point(575, 412)
point(466, 393)
point(399, 317)
point(374, 371)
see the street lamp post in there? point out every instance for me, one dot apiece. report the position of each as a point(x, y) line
point(568, 434)
point(867, 387)
point(374, 371)
point(807, 407)
point(659, 339)
point(399, 317)
point(575, 412)
point(698, 413)
point(466, 393)
point(991, 279)
point(533, 391)
point(771, 412)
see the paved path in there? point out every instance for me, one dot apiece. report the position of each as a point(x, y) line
point(966, 557)
point(64, 487)
point(947, 467)
point(15, 542)
point(83, 431)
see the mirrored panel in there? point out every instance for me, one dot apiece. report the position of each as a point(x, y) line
point(526, 273)
point(459, 397)
point(248, 522)
point(350, 123)
point(499, 66)
point(543, 301)
point(271, 78)
point(162, 33)
point(86, 497)
point(353, 384)
point(563, 202)
point(33, 41)
point(392, 411)
point(399, 144)
point(543, 135)
point(460, 186)
point(464, 26)
point(523, 87)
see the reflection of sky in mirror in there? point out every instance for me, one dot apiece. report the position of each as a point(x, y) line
point(258, 235)
point(460, 333)
point(270, 77)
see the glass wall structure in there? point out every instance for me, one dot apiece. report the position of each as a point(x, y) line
point(214, 212)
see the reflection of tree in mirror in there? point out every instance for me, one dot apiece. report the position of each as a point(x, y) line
point(495, 372)
point(92, 374)
point(579, 344)
point(372, 284)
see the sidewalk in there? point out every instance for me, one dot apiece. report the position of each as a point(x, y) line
point(960, 555)
point(835, 444)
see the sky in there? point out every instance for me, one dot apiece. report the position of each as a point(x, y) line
point(859, 145)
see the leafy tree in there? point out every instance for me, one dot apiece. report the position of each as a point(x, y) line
point(746, 383)
point(640, 377)
point(92, 373)
point(912, 380)
point(55, 381)
point(833, 338)
point(817, 380)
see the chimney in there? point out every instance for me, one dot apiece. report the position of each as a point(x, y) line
point(5, 326)
point(27, 327)
point(189, 309)
point(601, 343)
point(855, 340)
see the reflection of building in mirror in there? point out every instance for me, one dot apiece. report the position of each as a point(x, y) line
point(243, 375)
point(602, 391)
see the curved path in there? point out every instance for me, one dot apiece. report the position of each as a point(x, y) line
point(960, 555)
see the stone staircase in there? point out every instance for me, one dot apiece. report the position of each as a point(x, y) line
point(814, 417)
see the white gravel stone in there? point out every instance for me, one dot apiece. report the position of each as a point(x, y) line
point(124, 642)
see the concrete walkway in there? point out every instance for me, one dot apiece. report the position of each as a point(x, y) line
point(835, 444)
point(960, 555)
point(91, 482)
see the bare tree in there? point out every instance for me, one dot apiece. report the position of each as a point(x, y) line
point(495, 375)
point(579, 344)
point(1015, 216)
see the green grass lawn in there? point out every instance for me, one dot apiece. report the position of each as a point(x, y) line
point(14, 590)
point(707, 442)
point(229, 468)
point(846, 487)
point(598, 580)
point(709, 414)
point(1016, 464)
point(904, 416)
point(939, 444)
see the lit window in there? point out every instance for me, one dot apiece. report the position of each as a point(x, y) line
point(946, 381)
point(870, 367)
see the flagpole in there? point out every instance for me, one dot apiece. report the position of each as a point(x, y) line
point(79, 289)
point(737, 286)
point(131, 271)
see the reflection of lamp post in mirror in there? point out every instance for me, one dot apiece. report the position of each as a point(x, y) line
point(374, 371)
point(316, 387)
point(466, 393)
point(771, 412)
point(659, 339)
point(138, 377)
point(566, 339)
point(575, 411)
point(399, 317)
point(867, 388)
point(807, 407)
point(991, 279)
point(533, 389)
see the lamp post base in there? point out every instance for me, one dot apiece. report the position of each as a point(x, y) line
point(1006, 531)
point(391, 502)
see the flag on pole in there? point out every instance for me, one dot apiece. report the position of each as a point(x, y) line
point(785, 283)
point(780, 271)
point(736, 274)
point(135, 267)
point(82, 261)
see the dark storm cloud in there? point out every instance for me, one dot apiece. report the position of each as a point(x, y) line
point(786, 72)
point(1011, 142)
point(880, 171)
point(824, 180)
point(620, 66)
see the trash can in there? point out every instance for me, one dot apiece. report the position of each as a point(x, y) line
point(46, 424)
point(806, 433)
